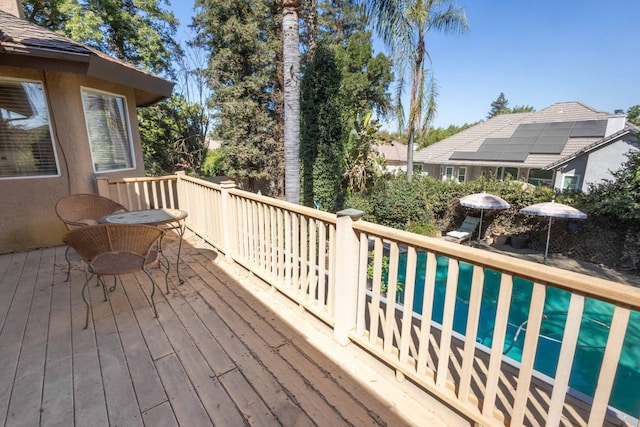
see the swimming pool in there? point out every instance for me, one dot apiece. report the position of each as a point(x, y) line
point(592, 338)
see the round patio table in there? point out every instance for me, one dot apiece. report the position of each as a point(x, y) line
point(173, 218)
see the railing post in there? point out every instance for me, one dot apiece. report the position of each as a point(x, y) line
point(346, 292)
point(103, 187)
point(180, 189)
point(227, 216)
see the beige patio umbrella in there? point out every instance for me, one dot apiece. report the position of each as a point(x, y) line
point(483, 201)
point(552, 209)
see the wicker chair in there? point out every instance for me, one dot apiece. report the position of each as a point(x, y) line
point(80, 210)
point(115, 249)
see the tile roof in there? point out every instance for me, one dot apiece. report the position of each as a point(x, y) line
point(27, 45)
point(504, 126)
point(630, 129)
point(394, 152)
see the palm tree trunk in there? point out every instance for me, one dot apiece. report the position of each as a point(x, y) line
point(291, 59)
point(415, 105)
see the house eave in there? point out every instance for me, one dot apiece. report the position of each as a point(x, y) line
point(611, 138)
point(149, 88)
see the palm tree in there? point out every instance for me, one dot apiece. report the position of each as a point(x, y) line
point(291, 59)
point(403, 25)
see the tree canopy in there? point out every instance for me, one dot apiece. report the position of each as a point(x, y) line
point(619, 197)
point(501, 106)
point(403, 26)
point(140, 32)
point(633, 115)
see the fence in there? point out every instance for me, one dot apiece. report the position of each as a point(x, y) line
point(422, 305)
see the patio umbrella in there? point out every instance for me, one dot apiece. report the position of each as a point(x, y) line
point(552, 209)
point(483, 201)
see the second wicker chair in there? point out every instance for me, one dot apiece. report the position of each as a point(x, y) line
point(115, 249)
point(80, 210)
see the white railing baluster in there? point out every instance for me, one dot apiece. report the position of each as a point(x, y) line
point(534, 321)
point(473, 321)
point(499, 334)
point(407, 315)
point(390, 309)
point(565, 362)
point(609, 366)
point(447, 324)
point(427, 312)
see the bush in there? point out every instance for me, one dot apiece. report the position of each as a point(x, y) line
point(427, 205)
point(396, 203)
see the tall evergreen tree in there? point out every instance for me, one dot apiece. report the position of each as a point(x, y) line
point(140, 32)
point(341, 80)
point(242, 38)
point(499, 106)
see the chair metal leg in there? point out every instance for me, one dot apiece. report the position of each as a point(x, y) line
point(181, 230)
point(66, 256)
point(115, 283)
point(153, 291)
point(163, 264)
point(84, 298)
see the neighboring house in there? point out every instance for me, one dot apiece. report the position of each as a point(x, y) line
point(522, 145)
point(395, 155)
point(594, 163)
point(67, 116)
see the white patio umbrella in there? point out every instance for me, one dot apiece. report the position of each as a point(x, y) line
point(552, 209)
point(483, 201)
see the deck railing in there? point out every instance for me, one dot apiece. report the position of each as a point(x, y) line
point(360, 277)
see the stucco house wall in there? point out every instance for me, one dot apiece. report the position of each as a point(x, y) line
point(28, 216)
point(606, 160)
point(596, 166)
point(63, 68)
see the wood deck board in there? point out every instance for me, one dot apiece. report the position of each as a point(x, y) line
point(13, 330)
point(216, 355)
point(57, 391)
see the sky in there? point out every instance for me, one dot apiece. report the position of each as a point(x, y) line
point(535, 52)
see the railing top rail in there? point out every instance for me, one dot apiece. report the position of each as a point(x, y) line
point(606, 290)
point(292, 207)
point(143, 179)
point(303, 210)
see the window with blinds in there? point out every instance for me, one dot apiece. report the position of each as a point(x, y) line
point(108, 130)
point(26, 142)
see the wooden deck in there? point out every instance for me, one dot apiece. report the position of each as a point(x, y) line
point(216, 355)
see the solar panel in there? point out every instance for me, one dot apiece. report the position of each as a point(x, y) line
point(533, 138)
point(463, 155)
point(493, 142)
point(528, 130)
point(559, 125)
point(556, 131)
point(513, 157)
point(518, 140)
point(589, 128)
point(549, 145)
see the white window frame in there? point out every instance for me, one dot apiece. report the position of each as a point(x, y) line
point(540, 181)
point(569, 175)
point(44, 110)
point(462, 174)
point(446, 175)
point(123, 108)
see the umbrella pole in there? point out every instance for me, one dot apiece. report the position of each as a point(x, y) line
point(480, 227)
point(546, 249)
